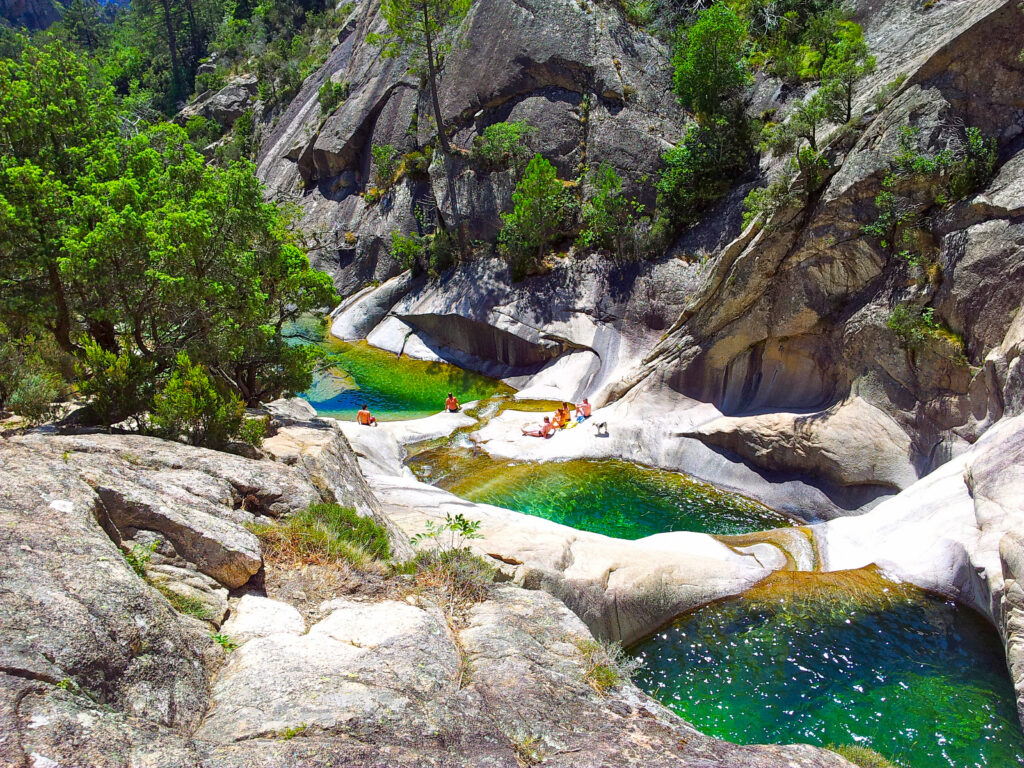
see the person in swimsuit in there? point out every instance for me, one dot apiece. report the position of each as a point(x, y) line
point(546, 429)
point(451, 404)
point(583, 411)
point(365, 418)
point(562, 416)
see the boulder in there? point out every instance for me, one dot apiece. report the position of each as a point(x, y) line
point(253, 617)
point(852, 443)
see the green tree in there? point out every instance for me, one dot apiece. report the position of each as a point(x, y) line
point(136, 247)
point(423, 28)
point(503, 145)
point(701, 168)
point(708, 61)
point(609, 216)
point(536, 217)
point(809, 116)
point(847, 64)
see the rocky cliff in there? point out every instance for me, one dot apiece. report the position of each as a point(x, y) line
point(785, 328)
point(31, 14)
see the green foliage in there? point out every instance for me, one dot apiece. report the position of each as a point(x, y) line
point(191, 409)
point(536, 220)
point(610, 218)
point(407, 250)
point(138, 557)
point(415, 25)
point(701, 168)
point(286, 734)
point(202, 131)
point(224, 641)
point(862, 756)
point(918, 181)
point(709, 63)
point(605, 665)
point(123, 248)
point(454, 533)
point(503, 145)
point(914, 326)
point(385, 162)
point(325, 534)
point(846, 65)
point(189, 606)
point(118, 386)
point(29, 384)
point(882, 97)
point(766, 201)
point(332, 94)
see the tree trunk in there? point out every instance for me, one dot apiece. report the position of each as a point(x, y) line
point(62, 325)
point(442, 134)
point(172, 44)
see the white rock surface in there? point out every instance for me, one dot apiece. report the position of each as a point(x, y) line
point(254, 616)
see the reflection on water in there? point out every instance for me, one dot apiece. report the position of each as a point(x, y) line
point(841, 659)
point(615, 498)
point(394, 387)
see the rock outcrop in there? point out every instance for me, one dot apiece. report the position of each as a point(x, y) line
point(98, 668)
point(31, 14)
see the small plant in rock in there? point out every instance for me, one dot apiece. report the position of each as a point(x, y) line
point(606, 666)
point(862, 756)
point(325, 534)
point(331, 94)
point(138, 557)
point(224, 641)
point(448, 568)
point(188, 606)
point(385, 165)
point(502, 145)
point(290, 733)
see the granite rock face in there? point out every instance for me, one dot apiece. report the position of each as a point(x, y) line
point(98, 668)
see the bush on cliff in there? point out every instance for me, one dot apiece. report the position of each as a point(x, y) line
point(538, 218)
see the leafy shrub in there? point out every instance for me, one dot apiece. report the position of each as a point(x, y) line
point(118, 386)
point(210, 81)
point(407, 249)
point(202, 131)
point(766, 201)
point(190, 408)
point(449, 569)
point(417, 163)
point(914, 326)
point(502, 145)
point(609, 217)
point(224, 641)
point(325, 534)
point(701, 168)
point(138, 557)
point(385, 161)
point(33, 397)
point(536, 220)
point(331, 94)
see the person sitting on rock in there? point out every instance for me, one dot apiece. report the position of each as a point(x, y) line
point(546, 429)
point(562, 416)
point(365, 418)
point(452, 404)
point(583, 411)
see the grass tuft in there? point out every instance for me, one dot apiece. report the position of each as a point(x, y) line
point(223, 641)
point(865, 757)
point(189, 606)
point(325, 534)
point(606, 666)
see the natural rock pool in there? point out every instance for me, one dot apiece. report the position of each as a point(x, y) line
point(841, 659)
point(615, 498)
point(394, 387)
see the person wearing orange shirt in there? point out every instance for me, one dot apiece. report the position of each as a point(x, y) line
point(451, 404)
point(365, 418)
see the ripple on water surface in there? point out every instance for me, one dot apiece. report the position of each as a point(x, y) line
point(916, 678)
point(615, 498)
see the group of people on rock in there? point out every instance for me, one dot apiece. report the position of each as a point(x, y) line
point(563, 417)
point(568, 414)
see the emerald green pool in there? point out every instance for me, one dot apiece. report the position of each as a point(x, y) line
point(615, 498)
point(914, 677)
point(394, 387)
